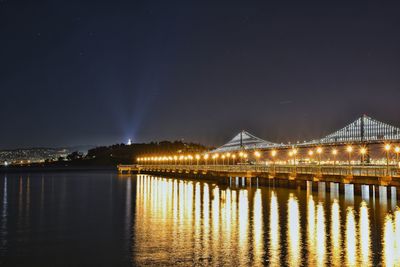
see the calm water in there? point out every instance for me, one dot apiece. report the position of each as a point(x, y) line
point(100, 219)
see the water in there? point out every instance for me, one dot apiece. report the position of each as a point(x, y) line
point(100, 219)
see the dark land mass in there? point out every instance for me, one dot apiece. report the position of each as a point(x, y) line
point(108, 157)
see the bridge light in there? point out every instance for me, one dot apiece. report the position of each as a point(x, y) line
point(197, 156)
point(223, 156)
point(349, 149)
point(206, 156)
point(290, 153)
point(319, 150)
point(244, 155)
point(273, 153)
point(241, 154)
point(294, 151)
point(388, 147)
point(310, 153)
point(363, 151)
point(228, 154)
point(334, 151)
point(397, 149)
point(257, 154)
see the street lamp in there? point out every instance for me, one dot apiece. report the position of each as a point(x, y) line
point(397, 150)
point(245, 155)
point(273, 155)
point(197, 159)
point(349, 150)
point(257, 155)
point(363, 151)
point(206, 156)
point(334, 153)
point(233, 159)
point(223, 159)
point(294, 151)
point(387, 149)
point(228, 155)
point(290, 155)
point(319, 152)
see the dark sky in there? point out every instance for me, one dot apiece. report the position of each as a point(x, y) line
point(99, 72)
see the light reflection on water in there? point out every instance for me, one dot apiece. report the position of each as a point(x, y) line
point(259, 226)
point(102, 219)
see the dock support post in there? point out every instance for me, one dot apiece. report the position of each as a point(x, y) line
point(341, 188)
point(357, 189)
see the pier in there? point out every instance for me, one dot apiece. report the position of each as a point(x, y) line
point(359, 175)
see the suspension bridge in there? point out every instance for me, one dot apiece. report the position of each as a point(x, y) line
point(363, 131)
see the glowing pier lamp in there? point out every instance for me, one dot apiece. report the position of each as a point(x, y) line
point(257, 155)
point(223, 159)
point(397, 151)
point(388, 147)
point(233, 159)
point(294, 151)
point(206, 156)
point(197, 159)
point(363, 152)
point(334, 153)
point(349, 150)
point(175, 159)
point(319, 152)
point(241, 156)
point(290, 153)
point(216, 156)
point(273, 155)
point(228, 155)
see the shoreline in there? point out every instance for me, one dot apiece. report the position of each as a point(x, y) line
point(5, 170)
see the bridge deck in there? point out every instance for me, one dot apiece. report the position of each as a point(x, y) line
point(374, 175)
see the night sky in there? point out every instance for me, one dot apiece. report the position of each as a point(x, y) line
point(100, 72)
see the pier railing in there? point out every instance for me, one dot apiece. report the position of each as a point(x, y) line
point(339, 170)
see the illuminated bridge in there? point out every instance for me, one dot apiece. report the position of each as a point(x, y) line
point(365, 130)
point(233, 162)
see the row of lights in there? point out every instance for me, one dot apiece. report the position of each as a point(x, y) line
point(205, 157)
point(242, 155)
